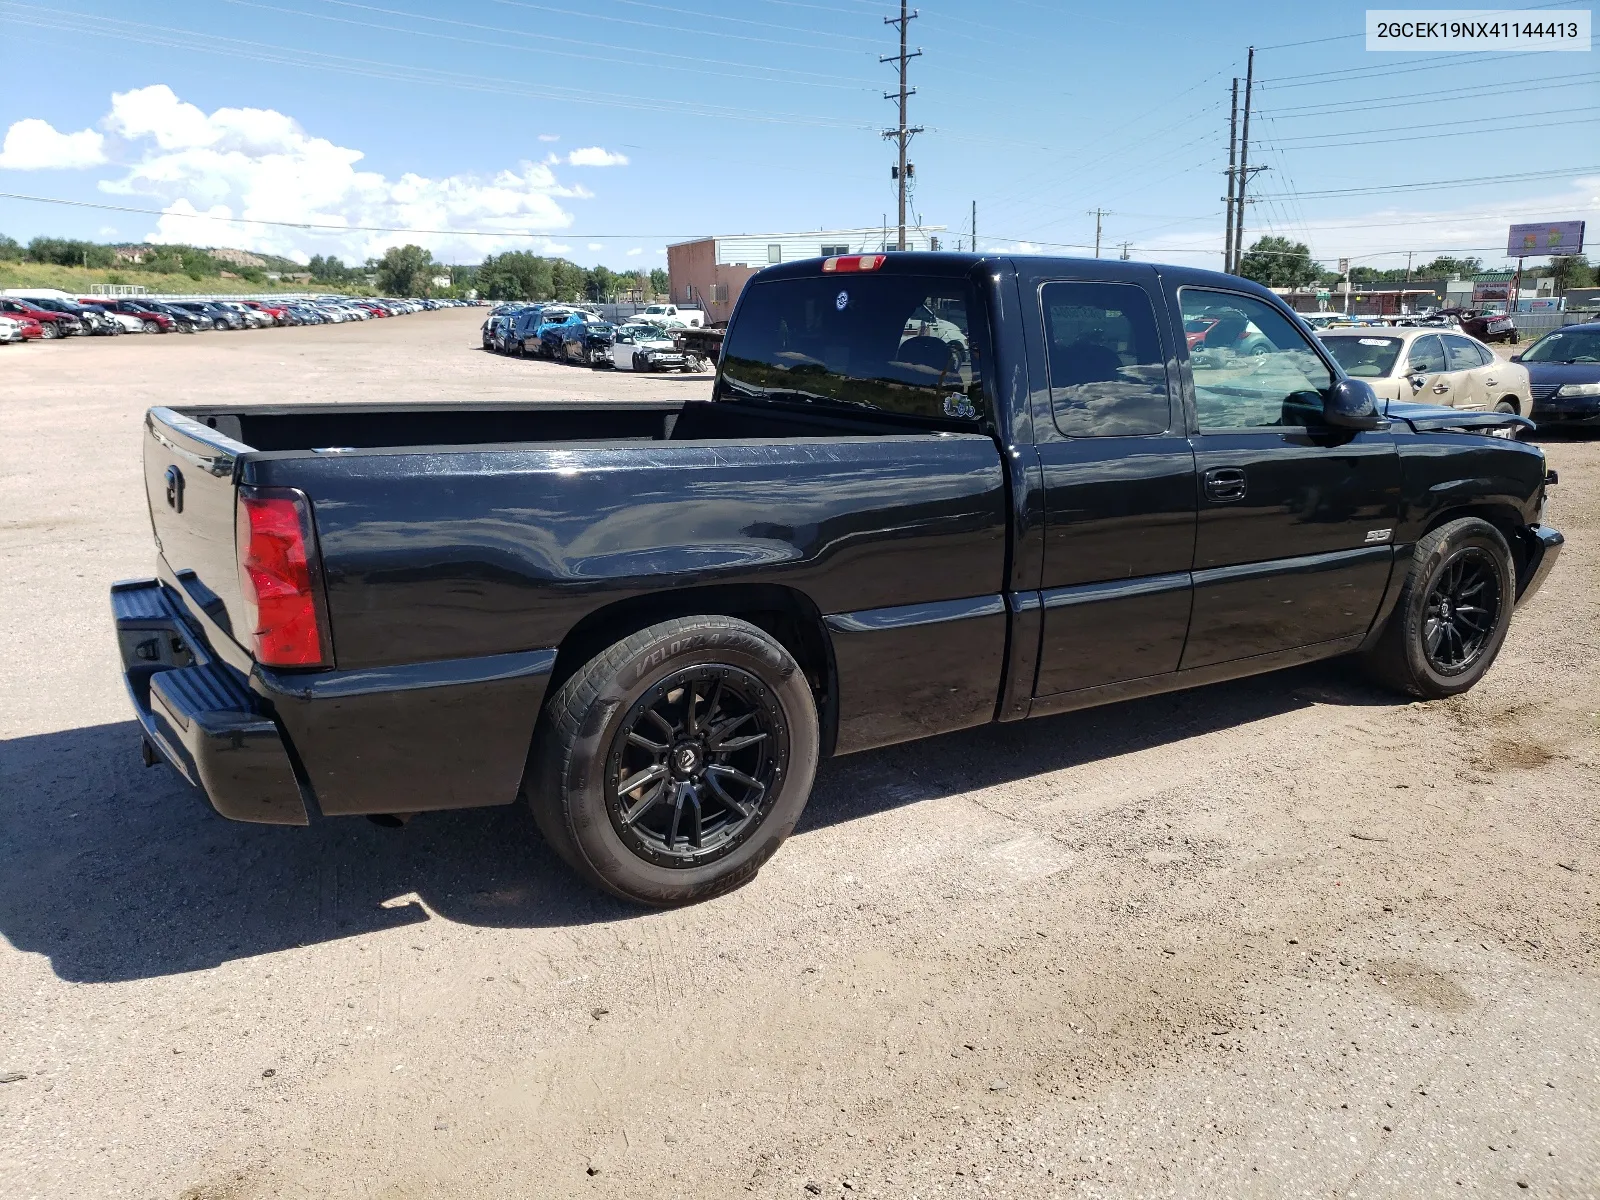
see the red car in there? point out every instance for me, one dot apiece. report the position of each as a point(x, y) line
point(154, 322)
point(52, 324)
point(1196, 328)
point(279, 314)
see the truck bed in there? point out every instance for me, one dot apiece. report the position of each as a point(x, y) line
point(328, 428)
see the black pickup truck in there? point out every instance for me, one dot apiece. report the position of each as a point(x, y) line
point(929, 491)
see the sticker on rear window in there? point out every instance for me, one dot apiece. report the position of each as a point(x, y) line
point(1373, 341)
point(841, 300)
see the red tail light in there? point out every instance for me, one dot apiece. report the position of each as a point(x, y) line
point(853, 262)
point(277, 577)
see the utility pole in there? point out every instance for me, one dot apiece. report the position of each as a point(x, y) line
point(1097, 213)
point(1125, 254)
point(904, 133)
point(1244, 157)
point(1233, 150)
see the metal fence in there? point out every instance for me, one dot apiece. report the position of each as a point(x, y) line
point(1534, 325)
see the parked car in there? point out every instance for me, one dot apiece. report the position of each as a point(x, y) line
point(126, 323)
point(551, 335)
point(641, 346)
point(1564, 373)
point(220, 317)
point(692, 317)
point(586, 343)
point(10, 330)
point(651, 619)
point(1485, 326)
point(1433, 367)
point(52, 324)
point(150, 320)
point(90, 320)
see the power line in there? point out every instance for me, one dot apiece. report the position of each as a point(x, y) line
point(183, 39)
point(1441, 184)
point(1423, 137)
point(1476, 91)
point(337, 227)
point(1476, 122)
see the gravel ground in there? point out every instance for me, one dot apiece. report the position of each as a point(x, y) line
point(1282, 937)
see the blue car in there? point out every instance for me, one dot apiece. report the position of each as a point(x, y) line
point(1564, 376)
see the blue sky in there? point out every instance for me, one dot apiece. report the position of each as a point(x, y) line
point(606, 129)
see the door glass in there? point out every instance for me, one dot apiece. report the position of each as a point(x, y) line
point(1252, 368)
point(1427, 356)
point(1107, 374)
point(1461, 354)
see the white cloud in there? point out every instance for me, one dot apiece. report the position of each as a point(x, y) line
point(596, 246)
point(549, 137)
point(1381, 237)
point(596, 156)
point(35, 145)
point(239, 163)
point(635, 250)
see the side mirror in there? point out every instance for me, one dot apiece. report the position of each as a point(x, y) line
point(1352, 404)
point(1516, 358)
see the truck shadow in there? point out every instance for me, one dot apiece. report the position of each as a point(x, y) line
point(115, 872)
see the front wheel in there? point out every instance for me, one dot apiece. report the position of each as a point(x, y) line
point(49, 330)
point(150, 326)
point(1453, 612)
point(672, 765)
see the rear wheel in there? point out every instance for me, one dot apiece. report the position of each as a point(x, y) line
point(672, 765)
point(49, 329)
point(1506, 406)
point(1453, 612)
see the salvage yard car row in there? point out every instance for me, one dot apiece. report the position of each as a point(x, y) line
point(47, 315)
point(575, 334)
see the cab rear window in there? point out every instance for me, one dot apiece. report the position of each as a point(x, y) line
point(894, 344)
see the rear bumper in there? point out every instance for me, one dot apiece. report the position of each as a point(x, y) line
point(1543, 546)
point(199, 713)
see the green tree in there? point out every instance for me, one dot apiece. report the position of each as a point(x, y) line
point(405, 271)
point(1568, 270)
point(660, 284)
point(10, 249)
point(1278, 262)
point(566, 280)
point(1445, 267)
point(515, 275)
point(599, 284)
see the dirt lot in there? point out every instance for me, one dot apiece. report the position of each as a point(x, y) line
point(1278, 938)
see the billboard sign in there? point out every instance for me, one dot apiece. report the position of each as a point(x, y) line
point(1546, 237)
point(1493, 292)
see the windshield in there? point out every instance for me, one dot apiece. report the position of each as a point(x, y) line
point(1364, 357)
point(1566, 345)
point(858, 340)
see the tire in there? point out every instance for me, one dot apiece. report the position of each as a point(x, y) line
point(50, 330)
point(590, 737)
point(150, 327)
point(1506, 406)
point(1413, 654)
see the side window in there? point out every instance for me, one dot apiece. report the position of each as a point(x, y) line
point(1252, 367)
point(1461, 354)
point(1107, 374)
point(1427, 356)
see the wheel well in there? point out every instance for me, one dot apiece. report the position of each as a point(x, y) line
point(1516, 405)
point(787, 615)
point(1507, 520)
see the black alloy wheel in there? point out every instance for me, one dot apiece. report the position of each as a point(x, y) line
point(1452, 612)
point(695, 765)
point(1463, 608)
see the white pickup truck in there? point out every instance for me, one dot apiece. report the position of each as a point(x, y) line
point(663, 314)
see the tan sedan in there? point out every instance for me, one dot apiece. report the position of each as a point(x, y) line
point(1431, 366)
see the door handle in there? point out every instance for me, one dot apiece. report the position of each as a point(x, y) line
point(1492, 382)
point(1440, 389)
point(1225, 484)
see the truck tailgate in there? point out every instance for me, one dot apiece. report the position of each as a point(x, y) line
point(190, 474)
